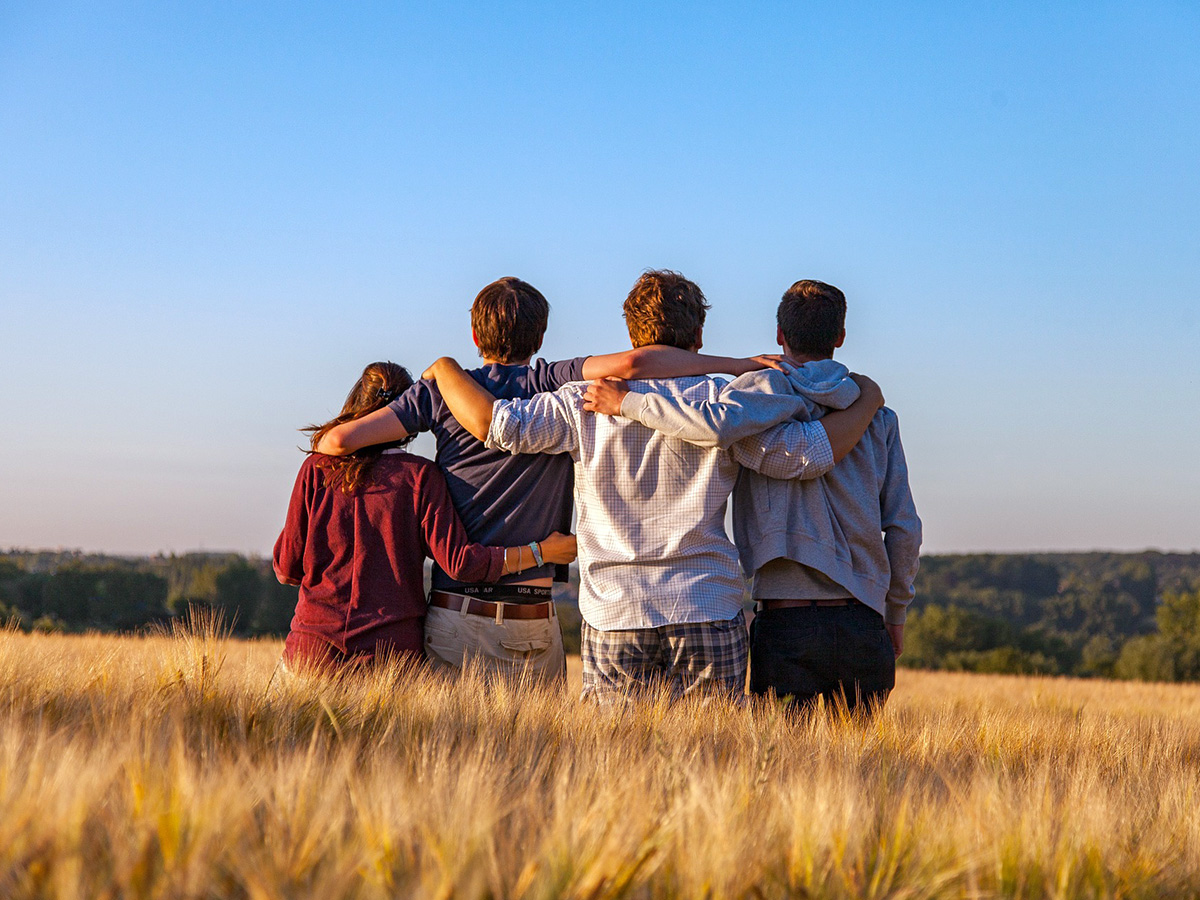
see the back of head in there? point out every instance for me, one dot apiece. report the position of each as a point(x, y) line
point(665, 308)
point(509, 319)
point(812, 318)
point(379, 384)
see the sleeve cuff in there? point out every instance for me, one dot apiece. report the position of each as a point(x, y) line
point(495, 564)
point(633, 406)
point(895, 614)
point(501, 431)
point(822, 450)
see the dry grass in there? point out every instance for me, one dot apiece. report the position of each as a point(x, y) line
point(179, 767)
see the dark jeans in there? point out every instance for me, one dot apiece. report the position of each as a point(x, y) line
point(841, 653)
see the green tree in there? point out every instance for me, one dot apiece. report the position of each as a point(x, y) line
point(107, 598)
point(277, 603)
point(238, 589)
point(1174, 653)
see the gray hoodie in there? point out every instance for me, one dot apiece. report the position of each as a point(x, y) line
point(857, 524)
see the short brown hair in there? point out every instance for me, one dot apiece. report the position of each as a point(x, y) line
point(509, 318)
point(665, 308)
point(812, 317)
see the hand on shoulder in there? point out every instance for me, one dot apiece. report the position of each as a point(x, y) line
point(605, 395)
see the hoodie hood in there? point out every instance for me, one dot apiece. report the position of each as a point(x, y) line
point(822, 382)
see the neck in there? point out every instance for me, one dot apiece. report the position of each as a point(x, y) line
point(487, 361)
point(801, 358)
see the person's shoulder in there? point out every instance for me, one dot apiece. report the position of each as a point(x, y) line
point(416, 404)
point(764, 381)
point(883, 428)
point(686, 387)
point(501, 380)
point(400, 466)
point(400, 459)
point(313, 462)
point(546, 375)
point(315, 469)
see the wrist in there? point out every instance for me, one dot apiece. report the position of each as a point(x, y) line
point(632, 404)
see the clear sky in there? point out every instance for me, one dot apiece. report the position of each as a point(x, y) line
point(212, 215)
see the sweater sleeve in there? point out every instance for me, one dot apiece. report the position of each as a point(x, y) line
point(288, 557)
point(446, 538)
point(746, 406)
point(901, 529)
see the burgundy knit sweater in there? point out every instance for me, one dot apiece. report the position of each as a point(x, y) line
point(359, 557)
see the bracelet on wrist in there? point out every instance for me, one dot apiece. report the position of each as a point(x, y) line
point(537, 553)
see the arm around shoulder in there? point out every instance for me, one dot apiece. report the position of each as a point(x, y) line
point(379, 427)
point(467, 399)
point(661, 361)
point(545, 423)
point(746, 406)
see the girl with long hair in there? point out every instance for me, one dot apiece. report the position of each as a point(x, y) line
point(358, 530)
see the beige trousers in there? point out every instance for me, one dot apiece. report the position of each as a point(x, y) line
point(512, 647)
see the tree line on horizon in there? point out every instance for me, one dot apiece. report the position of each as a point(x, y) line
point(69, 591)
point(1110, 615)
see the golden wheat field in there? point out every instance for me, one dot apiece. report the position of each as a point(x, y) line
point(184, 767)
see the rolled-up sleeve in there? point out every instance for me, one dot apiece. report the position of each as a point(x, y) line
point(786, 451)
point(546, 423)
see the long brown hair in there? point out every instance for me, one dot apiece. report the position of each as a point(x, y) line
point(379, 384)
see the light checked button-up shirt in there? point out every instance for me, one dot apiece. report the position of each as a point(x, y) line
point(652, 544)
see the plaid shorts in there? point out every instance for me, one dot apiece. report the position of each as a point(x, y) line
point(688, 658)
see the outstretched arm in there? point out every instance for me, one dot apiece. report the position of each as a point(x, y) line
point(786, 449)
point(545, 423)
point(805, 449)
point(379, 427)
point(789, 450)
point(659, 361)
point(745, 407)
point(446, 540)
point(468, 401)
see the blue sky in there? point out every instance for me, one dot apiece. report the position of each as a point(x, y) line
point(212, 218)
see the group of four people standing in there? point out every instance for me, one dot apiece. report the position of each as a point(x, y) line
point(823, 516)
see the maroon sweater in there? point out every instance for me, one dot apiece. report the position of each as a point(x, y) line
point(359, 557)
